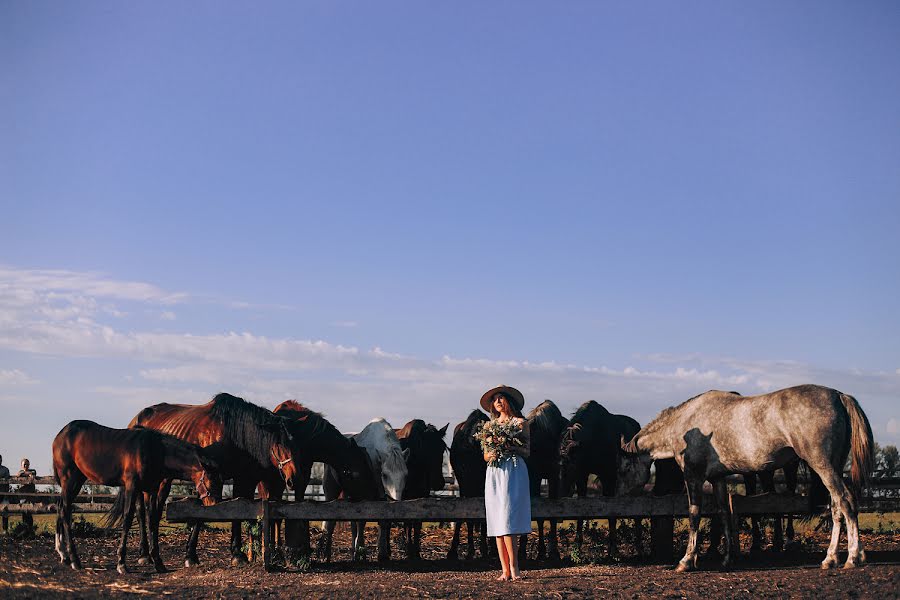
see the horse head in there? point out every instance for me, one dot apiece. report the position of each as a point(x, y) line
point(633, 468)
point(569, 454)
point(207, 479)
point(394, 472)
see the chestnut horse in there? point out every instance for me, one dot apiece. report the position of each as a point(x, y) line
point(469, 468)
point(138, 460)
point(715, 434)
point(426, 446)
point(250, 443)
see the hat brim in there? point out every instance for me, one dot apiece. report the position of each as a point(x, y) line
point(515, 395)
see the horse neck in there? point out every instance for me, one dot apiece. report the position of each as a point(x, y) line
point(656, 438)
point(181, 459)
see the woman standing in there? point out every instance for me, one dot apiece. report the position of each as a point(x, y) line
point(506, 491)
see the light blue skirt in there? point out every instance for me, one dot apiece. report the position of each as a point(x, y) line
point(507, 499)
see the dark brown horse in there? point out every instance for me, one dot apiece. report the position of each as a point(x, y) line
point(250, 443)
point(320, 441)
point(469, 468)
point(426, 446)
point(591, 445)
point(546, 425)
point(140, 461)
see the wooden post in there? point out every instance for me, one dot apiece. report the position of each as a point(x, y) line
point(267, 548)
point(662, 539)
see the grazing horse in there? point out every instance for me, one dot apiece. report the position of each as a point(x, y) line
point(469, 468)
point(714, 434)
point(320, 441)
point(138, 460)
point(389, 461)
point(426, 471)
point(546, 427)
point(250, 443)
point(591, 445)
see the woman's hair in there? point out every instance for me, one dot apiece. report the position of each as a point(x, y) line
point(512, 407)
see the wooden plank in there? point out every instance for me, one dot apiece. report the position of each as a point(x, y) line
point(453, 509)
point(228, 510)
point(43, 507)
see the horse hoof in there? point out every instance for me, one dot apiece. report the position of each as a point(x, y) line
point(862, 557)
point(190, 563)
point(161, 568)
point(238, 561)
point(829, 563)
point(851, 564)
point(684, 567)
point(76, 566)
point(121, 568)
point(144, 560)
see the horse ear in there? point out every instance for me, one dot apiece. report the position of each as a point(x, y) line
point(443, 430)
point(622, 442)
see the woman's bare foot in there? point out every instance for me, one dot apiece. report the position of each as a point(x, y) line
point(503, 577)
point(518, 575)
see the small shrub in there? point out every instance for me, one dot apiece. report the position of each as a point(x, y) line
point(22, 531)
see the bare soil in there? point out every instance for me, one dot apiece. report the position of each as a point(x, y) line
point(30, 569)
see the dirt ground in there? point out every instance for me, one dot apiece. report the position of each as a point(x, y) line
point(30, 569)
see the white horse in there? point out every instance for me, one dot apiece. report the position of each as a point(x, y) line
point(389, 459)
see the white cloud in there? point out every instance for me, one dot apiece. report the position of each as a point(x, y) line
point(167, 315)
point(15, 377)
point(893, 426)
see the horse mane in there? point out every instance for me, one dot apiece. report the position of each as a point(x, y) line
point(252, 428)
point(671, 411)
point(589, 411)
point(303, 420)
point(476, 416)
point(546, 418)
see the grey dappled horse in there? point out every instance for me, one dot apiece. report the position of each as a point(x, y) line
point(715, 434)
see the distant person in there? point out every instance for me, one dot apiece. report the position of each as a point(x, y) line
point(4, 491)
point(27, 488)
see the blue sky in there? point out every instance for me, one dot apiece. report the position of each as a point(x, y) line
point(382, 209)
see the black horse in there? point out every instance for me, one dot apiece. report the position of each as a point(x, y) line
point(320, 441)
point(591, 445)
point(546, 425)
point(469, 468)
point(426, 446)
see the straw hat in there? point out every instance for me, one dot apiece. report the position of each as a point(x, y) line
point(516, 399)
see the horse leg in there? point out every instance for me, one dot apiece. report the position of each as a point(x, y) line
point(695, 496)
point(473, 528)
point(523, 548)
point(639, 537)
point(130, 498)
point(417, 539)
point(542, 548)
point(453, 552)
point(384, 540)
point(724, 509)
point(715, 538)
point(143, 499)
point(324, 548)
point(71, 481)
point(767, 480)
point(553, 546)
point(155, 513)
point(755, 531)
point(612, 542)
point(835, 486)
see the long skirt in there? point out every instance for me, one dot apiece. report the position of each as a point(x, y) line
point(507, 498)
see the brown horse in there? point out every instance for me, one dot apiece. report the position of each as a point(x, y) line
point(250, 443)
point(138, 460)
point(426, 447)
point(715, 434)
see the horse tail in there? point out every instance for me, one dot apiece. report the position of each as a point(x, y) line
point(862, 444)
point(116, 514)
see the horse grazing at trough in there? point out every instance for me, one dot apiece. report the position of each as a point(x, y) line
point(138, 460)
point(426, 446)
point(469, 468)
point(591, 445)
point(388, 461)
point(320, 441)
point(546, 425)
point(715, 434)
point(250, 443)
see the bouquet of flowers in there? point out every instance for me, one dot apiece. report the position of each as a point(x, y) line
point(499, 438)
